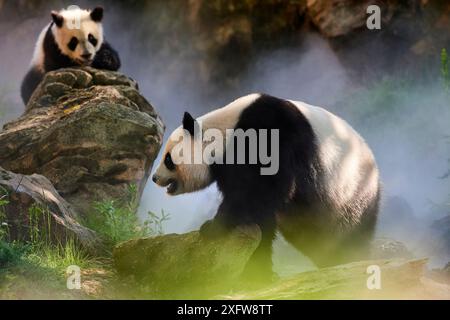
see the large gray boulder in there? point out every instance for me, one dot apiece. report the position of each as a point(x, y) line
point(90, 132)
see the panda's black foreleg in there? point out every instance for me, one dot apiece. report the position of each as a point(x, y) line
point(220, 225)
point(106, 58)
point(259, 267)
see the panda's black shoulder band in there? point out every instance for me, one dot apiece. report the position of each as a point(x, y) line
point(189, 123)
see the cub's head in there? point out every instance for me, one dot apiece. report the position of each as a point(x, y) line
point(78, 33)
point(174, 172)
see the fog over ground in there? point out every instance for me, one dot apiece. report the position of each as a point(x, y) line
point(406, 130)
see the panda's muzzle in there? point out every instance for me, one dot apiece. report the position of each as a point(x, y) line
point(171, 184)
point(172, 187)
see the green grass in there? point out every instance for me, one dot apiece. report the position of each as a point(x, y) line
point(4, 200)
point(39, 250)
point(113, 222)
point(39, 225)
point(56, 257)
point(37, 267)
point(33, 271)
point(116, 223)
point(59, 257)
point(41, 262)
point(10, 253)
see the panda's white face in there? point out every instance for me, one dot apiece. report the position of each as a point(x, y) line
point(177, 176)
point(78, 33)
point(181, 178)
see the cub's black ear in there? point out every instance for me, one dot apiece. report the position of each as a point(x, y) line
point(97, 14)
point(189, 123)
point(57, 19)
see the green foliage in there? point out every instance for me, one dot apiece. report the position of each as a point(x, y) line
point(116, 222)
point(27, 268)
point(39, 224)
point(10, 253)
point(54, 257)
point(4, 197)
point(39, 271)
point(154, 223)
point(132, 196)
point(4, 200)
point(40, 263)
point(445, 73)
point(38, 251)
point(113, 222)
point(59, 257)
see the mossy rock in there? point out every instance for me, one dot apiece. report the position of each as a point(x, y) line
point(90, 132)
point(186, 265)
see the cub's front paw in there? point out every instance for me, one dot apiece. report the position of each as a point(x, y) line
point(212, 229)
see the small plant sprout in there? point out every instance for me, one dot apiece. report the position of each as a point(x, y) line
point(116, 221)
point(154, 223)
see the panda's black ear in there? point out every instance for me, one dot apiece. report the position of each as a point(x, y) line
point(97, 14)
point(57, 19)
point(189, 123)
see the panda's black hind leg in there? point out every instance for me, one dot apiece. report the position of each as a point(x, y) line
point(258, 271)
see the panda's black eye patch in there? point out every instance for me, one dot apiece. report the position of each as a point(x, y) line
point(92, 40)
point(168, 162)
point(73, 43)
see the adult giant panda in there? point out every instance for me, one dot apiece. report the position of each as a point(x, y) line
point(323, 199)
point(73, 38)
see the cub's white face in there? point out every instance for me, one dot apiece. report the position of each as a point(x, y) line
point(179, 177)
point(78, 33)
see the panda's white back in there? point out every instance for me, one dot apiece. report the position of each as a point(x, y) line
point(37, 60)
point(348, 162)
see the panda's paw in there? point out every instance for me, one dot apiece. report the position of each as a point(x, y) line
point(212, 229)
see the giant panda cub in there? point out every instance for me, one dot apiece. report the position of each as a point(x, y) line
point(73, 38)
point(323, 199)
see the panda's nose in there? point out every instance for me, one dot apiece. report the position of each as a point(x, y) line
point(86, 56)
